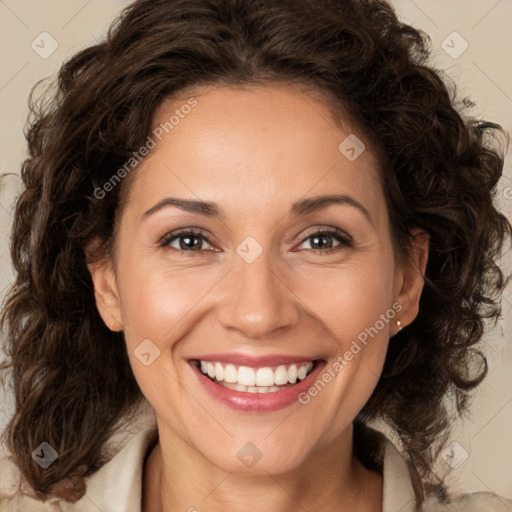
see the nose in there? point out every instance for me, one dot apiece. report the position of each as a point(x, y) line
point(258, 302)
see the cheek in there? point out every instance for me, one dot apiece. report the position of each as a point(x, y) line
point(155, 300)
point(350, 298)
point(354, 304)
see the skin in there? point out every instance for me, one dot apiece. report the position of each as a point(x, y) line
point(254, 151)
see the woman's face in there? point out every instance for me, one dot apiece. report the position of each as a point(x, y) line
point(273, 276)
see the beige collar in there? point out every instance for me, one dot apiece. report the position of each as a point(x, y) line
point(117, 485)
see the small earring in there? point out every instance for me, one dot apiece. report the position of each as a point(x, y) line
point(399, 325)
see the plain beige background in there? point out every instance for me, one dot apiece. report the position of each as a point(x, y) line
point(481, 70)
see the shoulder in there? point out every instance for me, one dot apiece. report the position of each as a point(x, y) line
point(20, 502)
point(24, 503)
point(118, 484)
point(476, 502)
point(14, 495)
point(403, 489)
point(115, 486)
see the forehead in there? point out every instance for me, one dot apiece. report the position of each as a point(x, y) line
point(253, 145)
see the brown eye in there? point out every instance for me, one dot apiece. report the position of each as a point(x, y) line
point(322, 241)
point(188, 241)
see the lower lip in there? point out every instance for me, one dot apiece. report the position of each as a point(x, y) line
point(257, 402)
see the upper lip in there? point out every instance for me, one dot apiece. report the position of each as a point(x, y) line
point(254, 361)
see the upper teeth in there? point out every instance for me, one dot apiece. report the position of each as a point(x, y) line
point(265, 376)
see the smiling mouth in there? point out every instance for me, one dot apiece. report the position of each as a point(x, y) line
point(267, 379)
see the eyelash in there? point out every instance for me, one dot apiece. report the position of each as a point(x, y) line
point(340, 236)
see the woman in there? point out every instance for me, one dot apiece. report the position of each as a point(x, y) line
point(268, 221)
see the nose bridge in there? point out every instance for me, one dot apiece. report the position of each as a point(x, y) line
point(258, 302)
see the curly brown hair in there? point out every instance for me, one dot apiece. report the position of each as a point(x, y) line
point(439, 169)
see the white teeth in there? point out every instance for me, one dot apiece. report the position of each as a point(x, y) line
point(211, 370)
point(250, 389)
point(292, 374)
point(302, 372)
point(281, 375)
point(230, 373)
point(219, 371)
point(246, 376)
point(261, 380)
point(264, 377)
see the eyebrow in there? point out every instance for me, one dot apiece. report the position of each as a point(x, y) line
point(299, 208)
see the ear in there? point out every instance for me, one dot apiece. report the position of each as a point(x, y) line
point(105, 286)
point(411, 277)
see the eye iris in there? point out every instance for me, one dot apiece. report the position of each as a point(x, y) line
point(190, 242)
point(317, 243)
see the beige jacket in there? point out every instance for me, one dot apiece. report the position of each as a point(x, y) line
point(116, 487)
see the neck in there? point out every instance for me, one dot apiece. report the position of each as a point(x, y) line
point(176, 477)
